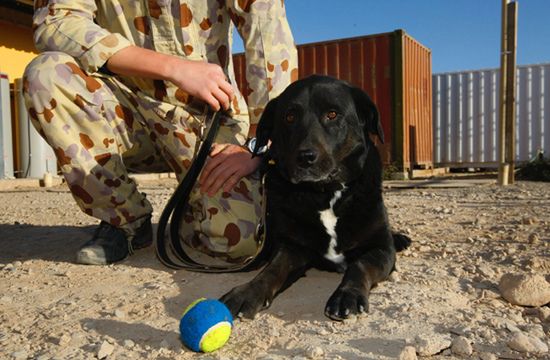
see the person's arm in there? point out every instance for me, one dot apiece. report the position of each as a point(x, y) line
point(271, 65)
point(69, 27)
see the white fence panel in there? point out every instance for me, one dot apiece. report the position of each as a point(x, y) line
point(466, 116)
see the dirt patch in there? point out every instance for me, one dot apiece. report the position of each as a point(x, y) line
point(446, 285)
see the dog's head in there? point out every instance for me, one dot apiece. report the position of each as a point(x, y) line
point(319, 130)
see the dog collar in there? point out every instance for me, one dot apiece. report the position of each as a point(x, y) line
point(250, 145)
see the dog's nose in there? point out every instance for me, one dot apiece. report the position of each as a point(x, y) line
point(307, 157)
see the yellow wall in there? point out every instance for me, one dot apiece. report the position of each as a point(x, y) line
point(16, 49)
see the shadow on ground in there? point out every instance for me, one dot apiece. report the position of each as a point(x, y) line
point(23, 242)
point(51, 243)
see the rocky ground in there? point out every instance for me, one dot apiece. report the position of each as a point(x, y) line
point(444, 302)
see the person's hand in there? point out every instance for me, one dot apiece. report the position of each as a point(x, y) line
point(202, 80)
point(225, 167)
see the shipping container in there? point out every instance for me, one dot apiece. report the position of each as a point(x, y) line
point(395, 70)
point(466, 116)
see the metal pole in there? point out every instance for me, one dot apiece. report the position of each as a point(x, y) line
point(503, 167)
point(511, 90)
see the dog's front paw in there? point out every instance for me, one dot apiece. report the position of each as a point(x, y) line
point(245, 301)
point(346, 302)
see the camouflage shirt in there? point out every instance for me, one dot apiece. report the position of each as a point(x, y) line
point(92, 31)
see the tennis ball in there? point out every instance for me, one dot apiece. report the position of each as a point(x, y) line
point(205, 325)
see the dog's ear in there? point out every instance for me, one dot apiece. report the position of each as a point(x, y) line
point(368, 113)
point(265, 125)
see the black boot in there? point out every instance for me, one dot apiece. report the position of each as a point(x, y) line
point(111, 244)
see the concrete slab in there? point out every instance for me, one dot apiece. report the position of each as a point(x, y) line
point(26, 183)
point(19, 184)
point(438, 183)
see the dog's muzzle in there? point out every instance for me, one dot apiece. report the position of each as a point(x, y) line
point(310, 166)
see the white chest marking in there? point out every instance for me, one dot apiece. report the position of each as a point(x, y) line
point(329, 220)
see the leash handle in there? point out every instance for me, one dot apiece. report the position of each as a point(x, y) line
point(174, 255)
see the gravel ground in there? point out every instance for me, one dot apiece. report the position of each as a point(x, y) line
point(444, 301)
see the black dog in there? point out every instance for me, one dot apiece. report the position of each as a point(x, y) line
point(324, 196)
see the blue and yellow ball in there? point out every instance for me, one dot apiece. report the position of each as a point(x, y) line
point(205, 325)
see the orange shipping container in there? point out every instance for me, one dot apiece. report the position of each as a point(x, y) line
point(395, 70)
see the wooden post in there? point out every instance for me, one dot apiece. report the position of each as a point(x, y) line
point(503, 168)
point(511, 90)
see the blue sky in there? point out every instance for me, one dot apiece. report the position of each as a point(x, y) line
point(462, 34)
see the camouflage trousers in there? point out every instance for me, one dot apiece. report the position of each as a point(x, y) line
point(100, 129)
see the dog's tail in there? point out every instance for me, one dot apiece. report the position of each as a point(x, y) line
point(401, 241)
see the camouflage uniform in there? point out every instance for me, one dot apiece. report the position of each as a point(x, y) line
point(101, 126)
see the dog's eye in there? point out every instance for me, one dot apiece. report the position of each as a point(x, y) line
point(331, 115)
point(290, 118)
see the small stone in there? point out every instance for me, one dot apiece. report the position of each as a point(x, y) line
point(540, 264)
point(535, 330)
point(19, 355)
point(487, 356)
point(424, 248)
point(486, 271)
point(460, 330)
point(323, 332)
point(88, 326)
point(486, 334)
point(456, 272)
point(533, 238)
point(511, 326)
point(461, 346)
point(268, 357)
point(408, 353)
point(273, 332)
point(291, 344)
point(351, 319)
point(64, 340)
point(9, 267)
point(524, 343)
point(119, 314)
point(525, 289)
point(314, 352)
point(544, 314)
point(77, 340)
point(128, 344)
point(428, 345)
point(105, 350)
point(394, 277)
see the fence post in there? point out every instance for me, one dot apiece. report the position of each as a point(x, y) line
point(511, 90)
point(502, 166)
point(506, 149)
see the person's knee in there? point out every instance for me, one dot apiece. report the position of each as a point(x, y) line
point(45, 70)
point(42, 76)
point(53, 79)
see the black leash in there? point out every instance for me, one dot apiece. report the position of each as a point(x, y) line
point(171, 252)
